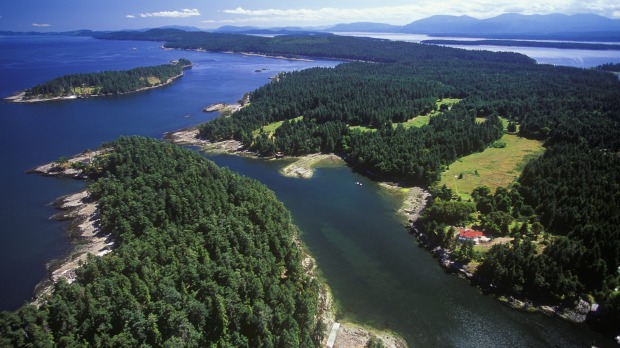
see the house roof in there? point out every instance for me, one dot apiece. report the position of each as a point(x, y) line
point(470, 234)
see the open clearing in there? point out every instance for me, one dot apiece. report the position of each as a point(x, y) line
point(494, 167)
point(417, 121)
point(362, 128)
point(152, 80)
point(271, 128)
point(83, 90)
point(423, 120)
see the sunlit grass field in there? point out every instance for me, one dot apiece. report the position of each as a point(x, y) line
point(417, 121)
point(271, 128)
point(494, 167)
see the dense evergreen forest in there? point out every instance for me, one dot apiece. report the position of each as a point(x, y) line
point(563, 210)
point(108, 82)
point(316, 45)
point(361, 94)
point(203, 258)
point(609, 67)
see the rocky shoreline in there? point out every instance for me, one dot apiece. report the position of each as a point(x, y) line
point(189, 137)
point(85, 236)
point(414, 201)
point(223, 108)
point(226, 109)
point(83, 231)
point(69, 167)
point(301, 167)
point(576, 314)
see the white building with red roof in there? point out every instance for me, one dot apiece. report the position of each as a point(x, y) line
point(476, 236)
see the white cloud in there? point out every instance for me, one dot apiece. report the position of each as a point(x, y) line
point(420, 9)
point(41, 25)
point(302, 13)
point(174, 14)
point(130, 16)
point(616, 14)
point(393, 14)
point(219, 21)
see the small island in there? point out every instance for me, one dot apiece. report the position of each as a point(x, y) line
point(74, 86)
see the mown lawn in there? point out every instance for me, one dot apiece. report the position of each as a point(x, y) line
point(494, 167)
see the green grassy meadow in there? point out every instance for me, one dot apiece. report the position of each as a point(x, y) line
point(417, 121)
point(271, 128)
point(494, 167)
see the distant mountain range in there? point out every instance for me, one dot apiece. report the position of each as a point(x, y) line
point(365, 26)
point(269, 31)
point(578, 27)
point(506, 26)
point(514, 24)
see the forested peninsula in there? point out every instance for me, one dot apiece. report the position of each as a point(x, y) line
point(203, 257)
point(104, 83)
point(387, 116)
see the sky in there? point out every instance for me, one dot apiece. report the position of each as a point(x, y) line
point(64, 15)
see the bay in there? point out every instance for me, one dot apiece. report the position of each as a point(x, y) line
point(380, 277)
point(378, 274)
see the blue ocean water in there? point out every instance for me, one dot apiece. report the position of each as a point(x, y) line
point(36, 133)
point(377, 273)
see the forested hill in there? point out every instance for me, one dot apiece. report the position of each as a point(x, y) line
point(609, 67)
point(203, 258)
point(108, 82)
point(317, 45)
